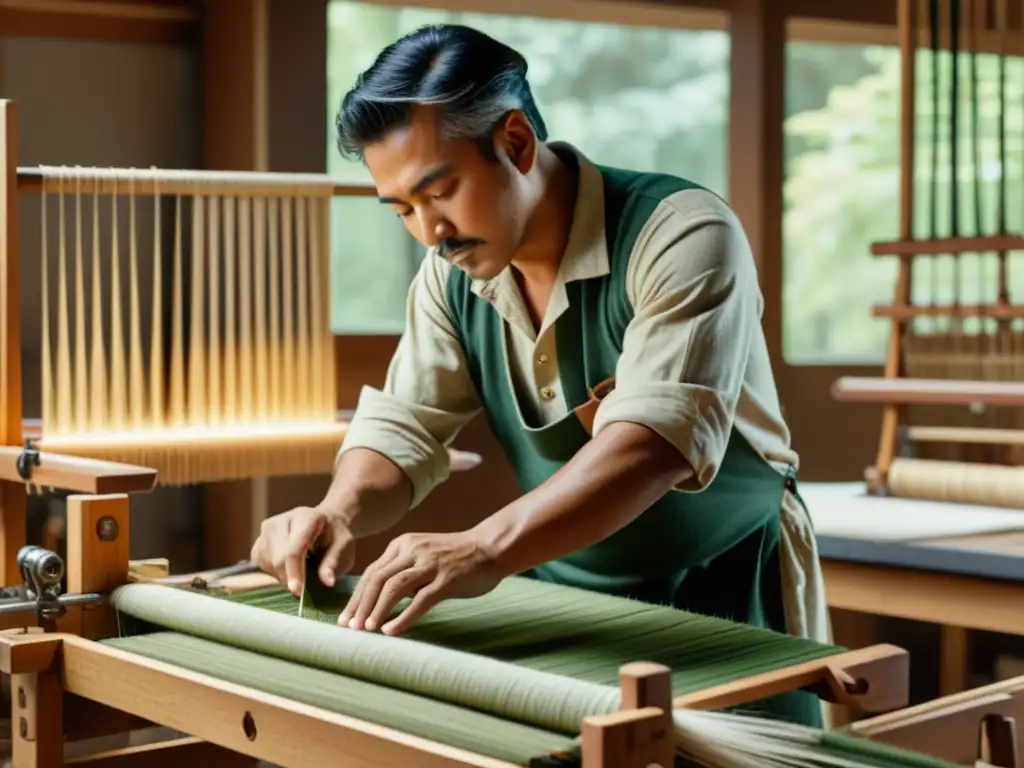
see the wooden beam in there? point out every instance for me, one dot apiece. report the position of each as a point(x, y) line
point(13, 502)
point(122, 21)
point(756, 156)
point(235, 85)
point(865, 12)
point(72, 473)
point(244, 720)
point(690, 14)
point(235, 137)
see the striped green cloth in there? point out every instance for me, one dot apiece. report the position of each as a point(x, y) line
point(509, 675)
point(577, 633)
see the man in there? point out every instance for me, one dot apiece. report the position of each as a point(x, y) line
point(607, 322)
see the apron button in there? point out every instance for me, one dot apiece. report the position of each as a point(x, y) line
point(547, 393)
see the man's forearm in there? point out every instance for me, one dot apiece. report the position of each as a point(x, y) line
point(369, 490)
point(607, 485)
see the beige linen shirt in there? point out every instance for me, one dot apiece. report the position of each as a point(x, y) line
point(694, 362)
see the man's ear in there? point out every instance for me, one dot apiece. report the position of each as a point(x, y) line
point(516, 140)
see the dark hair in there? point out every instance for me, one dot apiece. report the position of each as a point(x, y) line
point(474, 79)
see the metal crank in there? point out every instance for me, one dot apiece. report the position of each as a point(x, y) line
point(42, 572)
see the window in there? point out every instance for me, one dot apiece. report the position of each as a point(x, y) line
point(842, 193)
point(637, 97)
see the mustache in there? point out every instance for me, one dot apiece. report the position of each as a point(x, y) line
point(448, 248)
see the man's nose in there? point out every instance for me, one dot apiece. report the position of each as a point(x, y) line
point(435, 228)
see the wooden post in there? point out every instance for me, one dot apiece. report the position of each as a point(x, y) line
point(757, 70)
point(877, 476)
point(98, 553)
point(37, 719)
point(13, 506)
point(997, 741)
point(641, 734)
point(235, 137)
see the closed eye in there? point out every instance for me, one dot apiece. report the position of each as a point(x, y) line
point(447, 191)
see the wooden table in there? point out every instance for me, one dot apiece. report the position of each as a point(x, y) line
point(958, 566)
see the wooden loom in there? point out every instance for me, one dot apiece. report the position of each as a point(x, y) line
point(981, 724)
point(959, 353)
point(240, 382)
point(69, 684)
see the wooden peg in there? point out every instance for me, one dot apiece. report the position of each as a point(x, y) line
point(641, 733)
point(997, 741)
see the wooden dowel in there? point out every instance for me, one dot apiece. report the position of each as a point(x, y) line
point(190, 183)
point(927, 391)
point(976, 435)
point(70, 473)
point(906, 312)
point(949, 245)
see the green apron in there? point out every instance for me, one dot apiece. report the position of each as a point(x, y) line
point(714, 552)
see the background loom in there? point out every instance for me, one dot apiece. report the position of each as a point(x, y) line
point(949, 349)
point(241, 381)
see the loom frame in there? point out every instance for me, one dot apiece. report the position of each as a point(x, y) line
point(894, 391)
point(66, 683)
point(19, 181)
point(984, 723)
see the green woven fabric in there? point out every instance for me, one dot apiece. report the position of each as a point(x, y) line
point(525, 664)
point(577, 633)
point(416, 715)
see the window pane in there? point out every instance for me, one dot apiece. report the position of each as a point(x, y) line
point(642, 98)
point(842, 193)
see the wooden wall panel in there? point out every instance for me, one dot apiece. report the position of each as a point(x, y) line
point(162, 22)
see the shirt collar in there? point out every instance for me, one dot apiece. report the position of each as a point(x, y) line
point(586, 253)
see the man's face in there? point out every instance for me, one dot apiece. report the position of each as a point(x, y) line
point(451, 196)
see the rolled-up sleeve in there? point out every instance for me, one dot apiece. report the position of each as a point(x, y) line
point(697, 306)
point(428, 395)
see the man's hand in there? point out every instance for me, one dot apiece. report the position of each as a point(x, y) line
point(430, 567)
point(285, 539)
